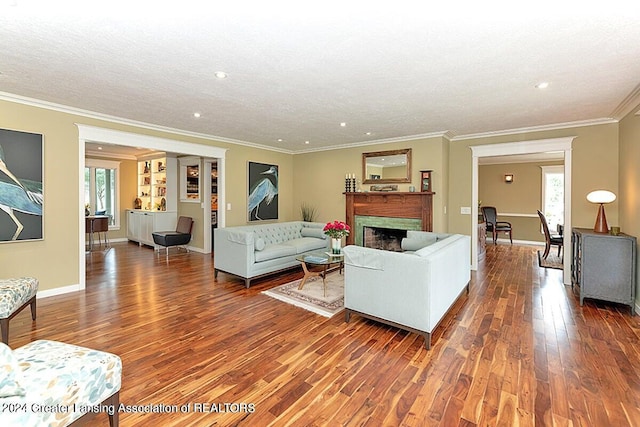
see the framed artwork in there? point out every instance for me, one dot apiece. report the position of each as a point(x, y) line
point(262, 200)
point(21, 176)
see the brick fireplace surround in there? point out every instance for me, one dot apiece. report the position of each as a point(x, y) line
point(408, 206)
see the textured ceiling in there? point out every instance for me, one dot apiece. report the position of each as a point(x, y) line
point(295, 71)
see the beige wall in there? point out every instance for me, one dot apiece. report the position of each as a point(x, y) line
point(59, 252)
point(594, 166)
point(315, 178)
point(522, 196)
point(318, 178)
point(630, 181)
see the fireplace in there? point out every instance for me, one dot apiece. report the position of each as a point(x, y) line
point(405, 211)
point(387, 239)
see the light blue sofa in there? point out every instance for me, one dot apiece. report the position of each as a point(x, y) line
point(254, 251)
point(412, 290)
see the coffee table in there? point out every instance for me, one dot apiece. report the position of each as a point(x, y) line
point(323, 259)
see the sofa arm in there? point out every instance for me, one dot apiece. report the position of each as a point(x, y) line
point(234, 250)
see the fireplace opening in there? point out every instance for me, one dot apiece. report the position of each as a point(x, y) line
point(387, 239)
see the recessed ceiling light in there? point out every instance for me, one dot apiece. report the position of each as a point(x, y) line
point(196, 115)
point(220, 75)
point(306, 142)
point(542, 85)
point(343, 124)
point(279, 139)
point(367, 133)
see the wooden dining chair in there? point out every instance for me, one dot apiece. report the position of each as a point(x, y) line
point(550, 239)
point(490, 215)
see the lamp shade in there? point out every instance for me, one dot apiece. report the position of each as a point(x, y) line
point(601, 196)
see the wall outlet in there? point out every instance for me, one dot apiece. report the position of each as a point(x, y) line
point(465, 210)
point(228, 206)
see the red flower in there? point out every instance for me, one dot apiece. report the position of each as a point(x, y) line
point(336, 229)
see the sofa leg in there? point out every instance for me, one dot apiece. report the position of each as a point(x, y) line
point(427, 340)
point(215, 273)
point(247, 283)
point(347, 315)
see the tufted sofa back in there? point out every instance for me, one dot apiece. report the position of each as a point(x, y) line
point(277, 233)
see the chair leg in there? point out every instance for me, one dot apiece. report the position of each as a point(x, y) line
point(495, 237)
point(510, 237)
point(547, 247)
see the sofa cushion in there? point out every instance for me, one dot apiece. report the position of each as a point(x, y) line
point(274, 251)
point(305, 244)
point(259, 244)
point(417, 243)
point(313, 232)
point(10, 373)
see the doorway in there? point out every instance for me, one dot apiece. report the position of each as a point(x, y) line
point(88, 134)
point(524, 147)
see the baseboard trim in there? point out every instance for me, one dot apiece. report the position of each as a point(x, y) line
point(58, 291)
point(519, 242)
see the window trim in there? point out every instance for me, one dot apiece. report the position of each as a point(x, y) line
point(555, 169)
point(106, 164)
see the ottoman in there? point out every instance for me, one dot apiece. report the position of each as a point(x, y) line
point(50, 383)
point(16, 294)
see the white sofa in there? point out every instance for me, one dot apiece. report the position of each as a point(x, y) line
point(254, 251)
point(411, 290)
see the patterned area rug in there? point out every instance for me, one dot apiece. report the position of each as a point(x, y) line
point(311, 297)
point(552, 261)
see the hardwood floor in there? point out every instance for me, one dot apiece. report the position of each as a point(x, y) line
point(519, 350)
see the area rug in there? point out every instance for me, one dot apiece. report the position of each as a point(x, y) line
point(311, 296)
point(552, 261)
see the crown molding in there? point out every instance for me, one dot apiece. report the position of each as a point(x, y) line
point(376, 142)
point(628, 104)
point(555, 126)
point(5, 96)
point(94, 153)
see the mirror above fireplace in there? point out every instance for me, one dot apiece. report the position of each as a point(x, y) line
point(386, 167)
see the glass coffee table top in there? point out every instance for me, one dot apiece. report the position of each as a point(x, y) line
point(320, 258)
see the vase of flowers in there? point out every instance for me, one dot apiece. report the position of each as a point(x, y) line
point(336, 230)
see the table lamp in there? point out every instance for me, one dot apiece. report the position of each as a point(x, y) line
point(601, 197)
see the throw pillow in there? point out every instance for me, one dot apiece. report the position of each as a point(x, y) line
point(313, 232)
point(259, 244)
point(10, 373)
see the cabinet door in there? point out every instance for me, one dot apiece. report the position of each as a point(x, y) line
point(133, 226)
point(607, 266)
point(146, 228)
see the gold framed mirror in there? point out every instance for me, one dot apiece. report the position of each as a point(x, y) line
point(386, 167)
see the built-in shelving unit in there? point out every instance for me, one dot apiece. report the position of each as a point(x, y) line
point(152, 184)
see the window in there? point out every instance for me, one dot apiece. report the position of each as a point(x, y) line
point(553, 195)
point(101, 193)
